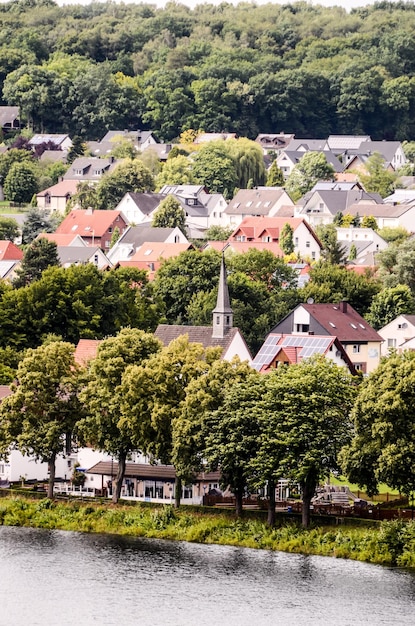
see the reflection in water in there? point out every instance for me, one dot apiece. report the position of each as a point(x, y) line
point(53, 577)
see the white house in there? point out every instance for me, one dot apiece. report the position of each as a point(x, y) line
point(397, 334)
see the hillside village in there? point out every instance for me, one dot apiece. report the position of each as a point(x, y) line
point(255, 219)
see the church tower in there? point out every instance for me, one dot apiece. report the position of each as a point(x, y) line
point(222, 313)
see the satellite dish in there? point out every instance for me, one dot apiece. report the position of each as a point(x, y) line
point(310, 300)
point(404, 325)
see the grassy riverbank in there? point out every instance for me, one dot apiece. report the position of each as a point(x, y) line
point(390, 543)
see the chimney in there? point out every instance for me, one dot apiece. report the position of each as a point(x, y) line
point(343, 306)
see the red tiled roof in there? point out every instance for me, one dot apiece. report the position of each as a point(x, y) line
point(61, 189)
point(88, 223)
point(59, 239)
point(9, 251)
point(342, 321)
point(86, 350)
point(4, 391)
point(244, 246)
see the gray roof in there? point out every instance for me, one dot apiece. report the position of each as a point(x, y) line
point(8, 115)
point(315, 145)
point(386, 148)
point(346, 142)
point(90, 168)
point(197, 334)
point(378, 210)
point(146, 201)
point(254, 201)
point(45, 138)
point(137, 235)
point(77, 254)
point(277, 141)
point(137, 136)
point(339, 200)
point(54, 156)
point(145, 470)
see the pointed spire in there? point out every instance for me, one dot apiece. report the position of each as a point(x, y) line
point(222, 313)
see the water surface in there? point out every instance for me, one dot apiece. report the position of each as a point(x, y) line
point(66, 578)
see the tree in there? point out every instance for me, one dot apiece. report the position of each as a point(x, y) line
point(331, 283)
point(12, 156)
point(170, 214)
point(85, 196)
point(36, 222)
point(77, 149)
point(102, 396)
point(383, 445)
point(312, 167)
point(215, 168)
point(127, 176)
point(232, 438)
point(193, 425)
point(39, 416)
point(275, 176)
point(368, 221)
point(352, 252)
point(249, 162)
point(218, 233)
point(20, 183)
point(287, 239)
point(397, 263)
point(175, 171)
point(306, 408)
point(9, 229)
point(40, 255)
point(388, 304)
point(333, 250)
point(179, 278)
point(378, 179)
point(153, 395)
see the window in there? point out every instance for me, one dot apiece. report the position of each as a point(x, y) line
point(110, 229)
point(107, 244)
point(391, 343)
point(296, 241)
point(313, 256)
point(302, 328)
point(307, 244)
point(356, 348)
point(266, 239)
point(1, 468)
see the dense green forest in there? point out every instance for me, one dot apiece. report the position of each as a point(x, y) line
point(296, 68)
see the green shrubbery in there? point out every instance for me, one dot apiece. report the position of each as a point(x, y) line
point(390, 543)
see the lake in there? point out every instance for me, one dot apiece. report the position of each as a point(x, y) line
point(63, 578)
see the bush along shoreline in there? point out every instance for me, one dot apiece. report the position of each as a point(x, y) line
point(390, 543)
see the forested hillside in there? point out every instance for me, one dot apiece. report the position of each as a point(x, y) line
point(296, 68)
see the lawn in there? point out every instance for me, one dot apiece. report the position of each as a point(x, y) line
point(383, 489)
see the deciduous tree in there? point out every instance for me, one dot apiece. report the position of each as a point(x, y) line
point(39, 416)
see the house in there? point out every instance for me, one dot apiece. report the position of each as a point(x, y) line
point(202, 209)
point(10, 259)
point(55, 199)
point(267, 230)
point(398, 335)
point(280, 350)
point(9, 118)
point(322, 205)
point(386, 215)
point(135, 236)
point(9, 251)
point(152, 482)
point(364, 239)
point(359, 340)
point(262, 201)
point(95, 227)
point(288, 159)
point(221, 334)
point(150, 255)
point(81, 255)
point(90, 169)
point(62, 142)
point(64, 240)
point(274, 143)
point(140, 207)
point(141, 139)
point(206, 137)
point(391, 151)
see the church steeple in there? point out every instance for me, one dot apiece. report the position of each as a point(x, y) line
point(222, 313)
